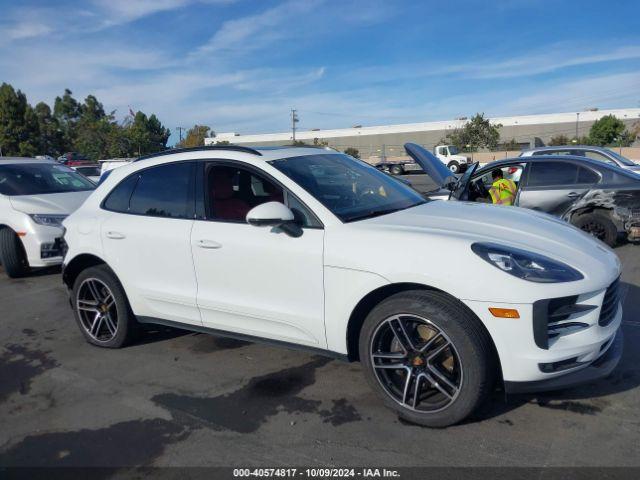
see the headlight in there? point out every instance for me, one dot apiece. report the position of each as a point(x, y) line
point(48, 220)
point(526, 265)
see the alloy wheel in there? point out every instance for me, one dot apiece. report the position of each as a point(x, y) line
point(416, 363)
point(96, 308)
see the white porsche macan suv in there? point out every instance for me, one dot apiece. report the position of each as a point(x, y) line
point(35, 197)
point(312, 248)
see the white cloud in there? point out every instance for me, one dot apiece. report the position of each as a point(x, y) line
point(27, 29)
point(570, 95)
point(553, 59)
point(118, 12)
point(258, 31)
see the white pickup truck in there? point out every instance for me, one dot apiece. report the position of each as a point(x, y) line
point(448, 154)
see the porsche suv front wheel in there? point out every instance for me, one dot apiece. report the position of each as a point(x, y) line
point(429, 359)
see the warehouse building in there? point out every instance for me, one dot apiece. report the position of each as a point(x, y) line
point(387, 141)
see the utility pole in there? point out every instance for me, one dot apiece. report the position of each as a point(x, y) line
point(180, 129)
point(294, 120)
point(577, 121)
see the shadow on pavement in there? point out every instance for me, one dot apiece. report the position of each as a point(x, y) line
point(37, 272)
point(150, 333)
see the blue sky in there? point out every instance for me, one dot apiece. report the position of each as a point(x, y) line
point(240, 65)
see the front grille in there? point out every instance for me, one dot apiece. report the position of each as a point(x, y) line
point(610, 304)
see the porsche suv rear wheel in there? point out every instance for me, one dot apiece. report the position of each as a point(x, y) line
point(427, 356)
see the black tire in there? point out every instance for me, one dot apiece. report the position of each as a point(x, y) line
point(396, 169)
point(454, 167)
point(599, 225)
point(472, 346)
point(12, 254)
point(126, 325)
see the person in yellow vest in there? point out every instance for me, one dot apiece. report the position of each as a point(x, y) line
point(503, 191)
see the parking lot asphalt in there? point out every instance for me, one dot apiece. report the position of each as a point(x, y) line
point(183, 399)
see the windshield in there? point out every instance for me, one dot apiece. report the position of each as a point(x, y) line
point(622, 160)
point(453, 150)
point(41, 178)
point(351, 189)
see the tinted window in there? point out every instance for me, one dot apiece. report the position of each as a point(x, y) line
point(233, 191)
point(600, 157)
point(552, 174)
point(587, 176)
point(41, 178)
point(164, 191)
point(118, 199)
point(89, 171)
point(555, 152)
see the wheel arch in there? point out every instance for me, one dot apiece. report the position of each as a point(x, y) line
point(77, 265)
point(586, 209)
point(373, 298)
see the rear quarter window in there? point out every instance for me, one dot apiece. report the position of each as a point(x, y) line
point(118, 199)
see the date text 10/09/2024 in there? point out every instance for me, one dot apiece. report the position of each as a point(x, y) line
point(317, 472)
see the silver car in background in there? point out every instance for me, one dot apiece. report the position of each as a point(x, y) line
point(596, 153)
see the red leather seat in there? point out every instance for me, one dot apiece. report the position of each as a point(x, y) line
point(225, 206)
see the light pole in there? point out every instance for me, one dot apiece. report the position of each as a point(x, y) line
point(577, 122)
point(294, 120)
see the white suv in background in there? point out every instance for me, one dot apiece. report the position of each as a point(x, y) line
point(291, 246)
point(35, 196)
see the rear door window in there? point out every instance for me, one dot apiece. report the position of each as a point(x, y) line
point(165, 191)
point(548, 174)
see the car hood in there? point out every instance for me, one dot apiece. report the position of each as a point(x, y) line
point(52, 203)
point(518, 227)
point(430, 164)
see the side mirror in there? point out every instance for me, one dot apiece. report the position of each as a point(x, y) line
point(274, 214)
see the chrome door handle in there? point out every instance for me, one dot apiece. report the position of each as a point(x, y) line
point(115, 235)
point(209, 244)
point(573, 195)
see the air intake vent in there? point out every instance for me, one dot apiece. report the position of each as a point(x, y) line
point(610, 304)
point(552, 318)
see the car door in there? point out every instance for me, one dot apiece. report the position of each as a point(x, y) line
point(147, 241)
point(554, 186)
point(257, 281)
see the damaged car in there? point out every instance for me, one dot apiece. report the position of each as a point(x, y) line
point(596, 197)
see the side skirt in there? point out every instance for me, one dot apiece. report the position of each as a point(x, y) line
point(248, 338)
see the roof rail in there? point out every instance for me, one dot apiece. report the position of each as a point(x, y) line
point(204, 148)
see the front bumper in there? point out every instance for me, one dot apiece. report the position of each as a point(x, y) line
point(600, 368)
point(43, 245)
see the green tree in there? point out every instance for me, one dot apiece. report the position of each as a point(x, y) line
point(354, 152)
point(147, 135)
point(67, 111)
point(478, 132)
point(195, 136)
point(18, 123)
point(558, 140)
point(93, 129)
point(51, 140)
point(608, 130)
